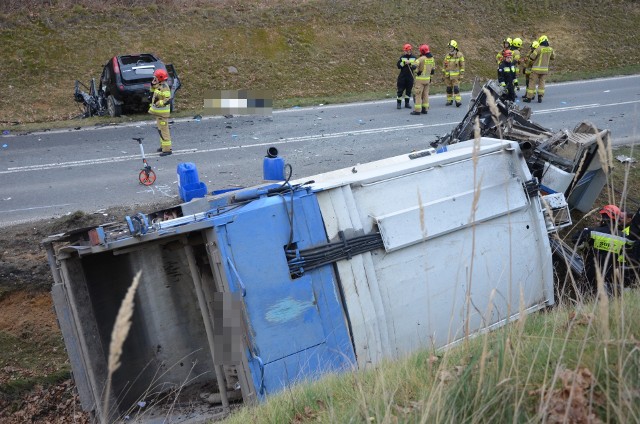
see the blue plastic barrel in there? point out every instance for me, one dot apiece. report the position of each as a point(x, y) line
point(189, 184)
point(273, 166)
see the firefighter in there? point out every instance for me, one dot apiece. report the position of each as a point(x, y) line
point(604, 248)
point(539, 60)
point(406, 64)
point(160, 107)
point(507, 76)
point(526, 66)
point(425, 67)
point(506, 45)
point(516, 45)
point(453, 69)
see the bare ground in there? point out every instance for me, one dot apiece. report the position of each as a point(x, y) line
point(35, 384)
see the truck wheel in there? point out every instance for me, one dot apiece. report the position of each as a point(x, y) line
point(114, 109)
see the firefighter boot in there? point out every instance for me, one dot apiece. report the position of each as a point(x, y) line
point(458, 104)
point(539, 98)
point(414, 112)
point(399, 106)
point(406, 104)
point(424, 110)
point(526, 100)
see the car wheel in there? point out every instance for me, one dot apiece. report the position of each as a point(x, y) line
point(114, 108)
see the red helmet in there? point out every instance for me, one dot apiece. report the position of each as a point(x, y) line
point(612, 211)
point(507, 53)
point(424, 49)
point(407, 47)
point(161, 74)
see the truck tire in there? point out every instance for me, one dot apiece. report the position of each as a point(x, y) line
point(113, 107)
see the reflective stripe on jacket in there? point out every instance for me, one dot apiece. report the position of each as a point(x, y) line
point(161, 92)
point(424, 68)
point(453, 64)
point(540, 58)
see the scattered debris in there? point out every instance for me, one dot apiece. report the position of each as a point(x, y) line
point(625, 159)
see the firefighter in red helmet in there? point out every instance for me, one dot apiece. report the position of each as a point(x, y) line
point(161, 107)
point(406, 64)
point(425, 67)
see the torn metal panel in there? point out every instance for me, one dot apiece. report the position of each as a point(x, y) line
point(571, 153)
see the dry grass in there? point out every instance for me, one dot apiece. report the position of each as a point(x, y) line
point(285, 45)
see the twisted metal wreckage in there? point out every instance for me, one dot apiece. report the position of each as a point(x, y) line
point(246, 292)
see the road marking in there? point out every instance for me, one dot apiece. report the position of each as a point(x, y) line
point(291, 109)
point(35, 207)
point(580, 107)
point(219, 149)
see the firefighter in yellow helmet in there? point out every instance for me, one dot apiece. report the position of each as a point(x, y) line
point(506, 45)
point(539, 60)
point(453, 69)
point(516, 45)
point(425, 67)
point(526, 66)
point(160, 107)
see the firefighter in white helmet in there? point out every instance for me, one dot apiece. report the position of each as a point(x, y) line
point(161, 107)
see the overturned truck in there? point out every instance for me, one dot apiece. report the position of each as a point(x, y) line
point(247, 292)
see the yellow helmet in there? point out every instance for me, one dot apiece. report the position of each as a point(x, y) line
point(453, 43)
point(517, 42)
point(507, 40)
point(542, 39)
point(535, 45)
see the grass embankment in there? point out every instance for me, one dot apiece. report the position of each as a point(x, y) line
point(569, 364)
point(306, 52)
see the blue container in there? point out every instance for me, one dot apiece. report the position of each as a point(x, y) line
point(273, 166)
point(187, 174)
point(189, 184)
point(192, 191)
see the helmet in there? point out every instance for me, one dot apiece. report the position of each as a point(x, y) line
point(453, 43)
point(535, 45)
point(424, 49)
point(517, 42)
point(612, 211)
point(507, 53)
point(507, 40)
point(161, 74)
point(407, 47)
point(542, 39)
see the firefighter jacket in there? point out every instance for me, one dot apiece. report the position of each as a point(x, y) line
point(539, 59)
point(507, 74)
point(160, 100)
point(517, 59)
point(453, 65)
point(425, 67)
point(406, 64)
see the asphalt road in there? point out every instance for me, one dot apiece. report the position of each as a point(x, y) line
point(53, 173)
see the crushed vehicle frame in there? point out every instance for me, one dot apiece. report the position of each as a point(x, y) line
point(123, 86)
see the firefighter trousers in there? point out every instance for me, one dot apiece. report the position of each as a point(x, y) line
point(421, 93)
point(536, 78)
point(165, 134)
point(453, 88)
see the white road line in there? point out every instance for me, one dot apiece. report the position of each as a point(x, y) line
point(35, 207)
point(293, 109)
point(219, 149)
point(580, 107)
